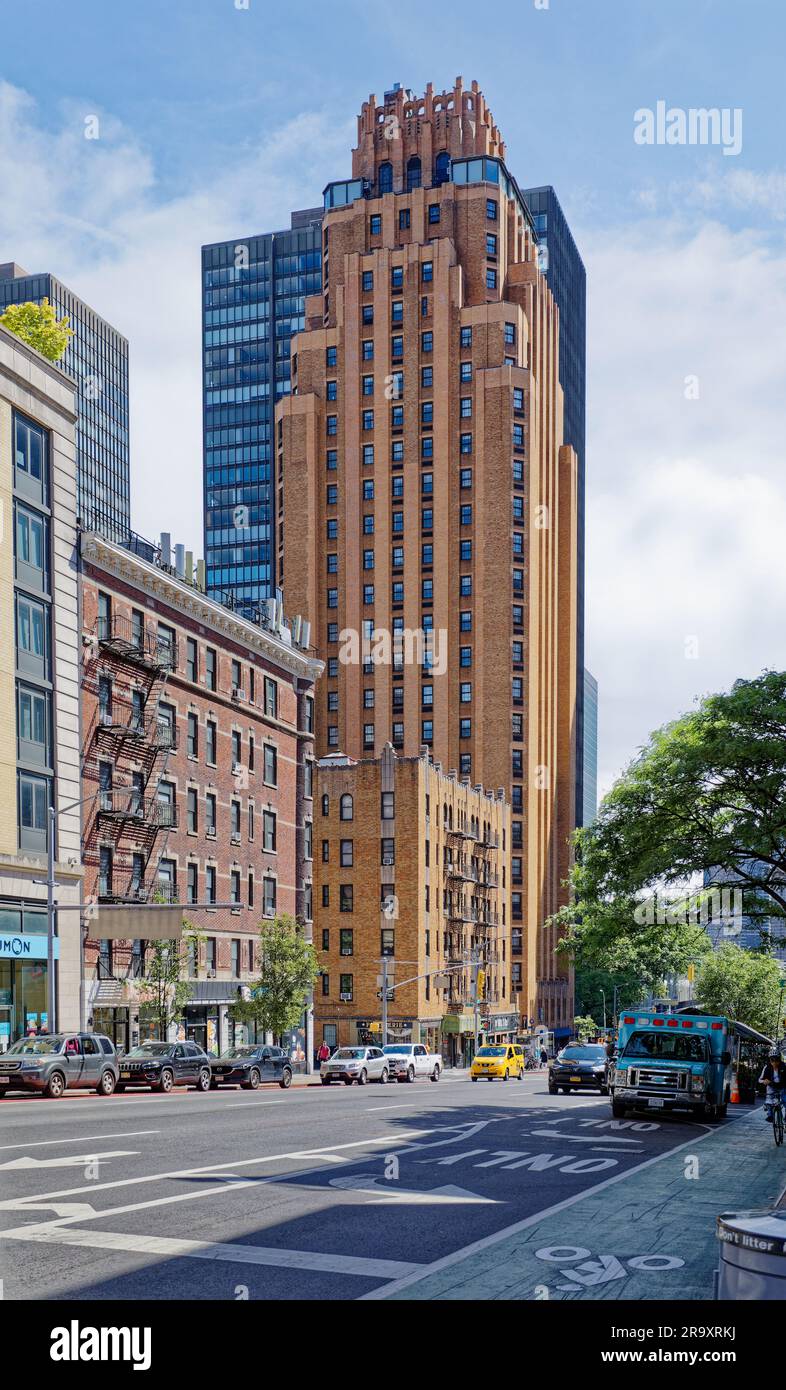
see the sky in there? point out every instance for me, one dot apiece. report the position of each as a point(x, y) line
point(217, 117)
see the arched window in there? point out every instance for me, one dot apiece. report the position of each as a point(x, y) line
point(325, 804)
point(413, 173)
point(346, 808)
point(442, 168)
point(386, 178)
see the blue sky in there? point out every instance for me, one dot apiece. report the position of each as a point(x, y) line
point(216, 121)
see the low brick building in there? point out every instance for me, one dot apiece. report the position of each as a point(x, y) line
point(197, 758)
point(411, 864)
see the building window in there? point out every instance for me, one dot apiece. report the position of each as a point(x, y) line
point(427, 341)
point(346, 988)
point(269, 897)
point(375, 220)
point(192, 810)
point(192, 659)
point(388, 806)
point(433, 212)
point(210, 813)
point(269, 831)
point(385, 178)
point(403, 220)
point(347, 854)
point(210, 668)
point(270, 765)
point(346, 897)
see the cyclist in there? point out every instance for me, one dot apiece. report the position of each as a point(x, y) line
point(773, 1076)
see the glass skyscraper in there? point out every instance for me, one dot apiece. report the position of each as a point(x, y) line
point(253, 302)
point(568, 283)
point(97, 358)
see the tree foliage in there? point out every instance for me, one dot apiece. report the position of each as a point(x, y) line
point(584, 1027)
point(288, 972)
point(743, 985)
point(707, 795)
point(163, 992)
point(38, 325)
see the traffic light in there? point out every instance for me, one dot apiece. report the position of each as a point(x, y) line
point(481, 983)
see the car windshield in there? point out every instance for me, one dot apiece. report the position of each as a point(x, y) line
point(491, 1051)
point(583, 1054)
point(668, 1047)
point(350, 1054)
point(150, 1049)
point(35, 1046)
point(248, 1050)
point(396, 1051)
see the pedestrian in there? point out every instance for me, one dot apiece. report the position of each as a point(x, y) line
point(323, 1054)
point(544, 1057)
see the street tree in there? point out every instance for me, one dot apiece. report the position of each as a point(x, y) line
point(584, 1027)
point(705, 797)
point(38, 325)
point(163, 992)
point(744, 985)
point(288, 971)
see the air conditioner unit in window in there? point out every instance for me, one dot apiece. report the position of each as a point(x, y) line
point(234, 839)
point(345, 998)
point(211, 974)
point(237, 769)
point(237, 693)
point(388, 859)
point(210, 832)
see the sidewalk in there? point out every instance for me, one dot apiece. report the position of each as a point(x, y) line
point(648, 1235)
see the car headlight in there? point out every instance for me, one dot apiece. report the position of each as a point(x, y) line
point(599, 1068)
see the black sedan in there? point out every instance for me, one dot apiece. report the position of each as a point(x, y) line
point(251, 1063)
point(162, 1065)
point(579, 1067)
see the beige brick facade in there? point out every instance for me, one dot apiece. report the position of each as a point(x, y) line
point(422, 482)
point(410, 864)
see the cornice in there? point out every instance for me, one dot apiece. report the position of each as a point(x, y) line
point(156, 583)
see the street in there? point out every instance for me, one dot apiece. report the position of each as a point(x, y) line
point(337, 1193)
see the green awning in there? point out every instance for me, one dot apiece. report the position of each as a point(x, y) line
point(458, 1023)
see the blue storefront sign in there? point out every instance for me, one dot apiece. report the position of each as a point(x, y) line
point(15, 946)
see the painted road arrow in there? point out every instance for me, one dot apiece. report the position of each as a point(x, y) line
point(372, 1184)
point(71, 1161)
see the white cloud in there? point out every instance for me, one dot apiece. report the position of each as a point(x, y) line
point(91, 212)
point(686, 508)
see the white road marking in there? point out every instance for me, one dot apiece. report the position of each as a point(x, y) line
point(580, 1138)
point(167, 1248)
point(373, 1184)
point(80, 1139)
point(69, 1161)
point(448, 1261)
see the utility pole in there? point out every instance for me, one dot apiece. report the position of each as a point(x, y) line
point(51, 925)
point(384, 1000)
point(475, 974)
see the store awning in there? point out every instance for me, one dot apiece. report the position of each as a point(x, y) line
point(136, 923)
point(458, 1023)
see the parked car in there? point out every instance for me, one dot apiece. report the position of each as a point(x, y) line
point(579, 1066)
point(60, 1062)
point(250, 1063)
point(409, 1060)
point(497, 1061)
point(359, 1064)
point(162, 1065)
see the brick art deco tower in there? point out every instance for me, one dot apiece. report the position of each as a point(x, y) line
point(423, 487)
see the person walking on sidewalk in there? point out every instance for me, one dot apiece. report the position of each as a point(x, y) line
point(773, 1076)
point(323, 1053)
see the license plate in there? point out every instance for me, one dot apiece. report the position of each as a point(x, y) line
point(657, 1102)
point(125, 1075)
point(575, 1079)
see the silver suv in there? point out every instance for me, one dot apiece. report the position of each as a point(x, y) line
point(60, 1062)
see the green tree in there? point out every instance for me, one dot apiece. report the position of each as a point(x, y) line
point(743, 985)
point(706, 794)
point(288, 972)
point(38, 325)
point(163, 992)
point(584, 1027)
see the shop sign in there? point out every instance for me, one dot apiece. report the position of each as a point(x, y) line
point(25, 947)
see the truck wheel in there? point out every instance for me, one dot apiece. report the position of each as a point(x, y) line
point(553, 1090)
point(435, 1074)
point(410, 1073)
point(618, 1109)
point(55, 1086)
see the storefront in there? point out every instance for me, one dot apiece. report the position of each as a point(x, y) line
point(23, 973)
point(458, 1031)
point(500, 1028)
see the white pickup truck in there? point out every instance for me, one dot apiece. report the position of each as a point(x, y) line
point(407, 1061)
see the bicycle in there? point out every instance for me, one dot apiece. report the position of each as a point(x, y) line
point(777, 1121)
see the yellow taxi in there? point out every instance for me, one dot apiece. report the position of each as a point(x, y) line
point(498, 1060)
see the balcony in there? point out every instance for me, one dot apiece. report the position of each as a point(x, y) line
point(130, 805)
point(125, 638)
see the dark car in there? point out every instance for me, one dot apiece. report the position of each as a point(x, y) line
point(578, 1067)
point(162, 1065)
point(250, 1063)
point(60, 1062)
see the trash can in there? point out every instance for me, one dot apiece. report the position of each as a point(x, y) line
point(752, 1256)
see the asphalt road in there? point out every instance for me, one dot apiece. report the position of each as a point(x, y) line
point(338, 1193)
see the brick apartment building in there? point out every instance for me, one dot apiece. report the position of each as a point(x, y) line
point(411, 864)
point(423, 487)
point(197, 757)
